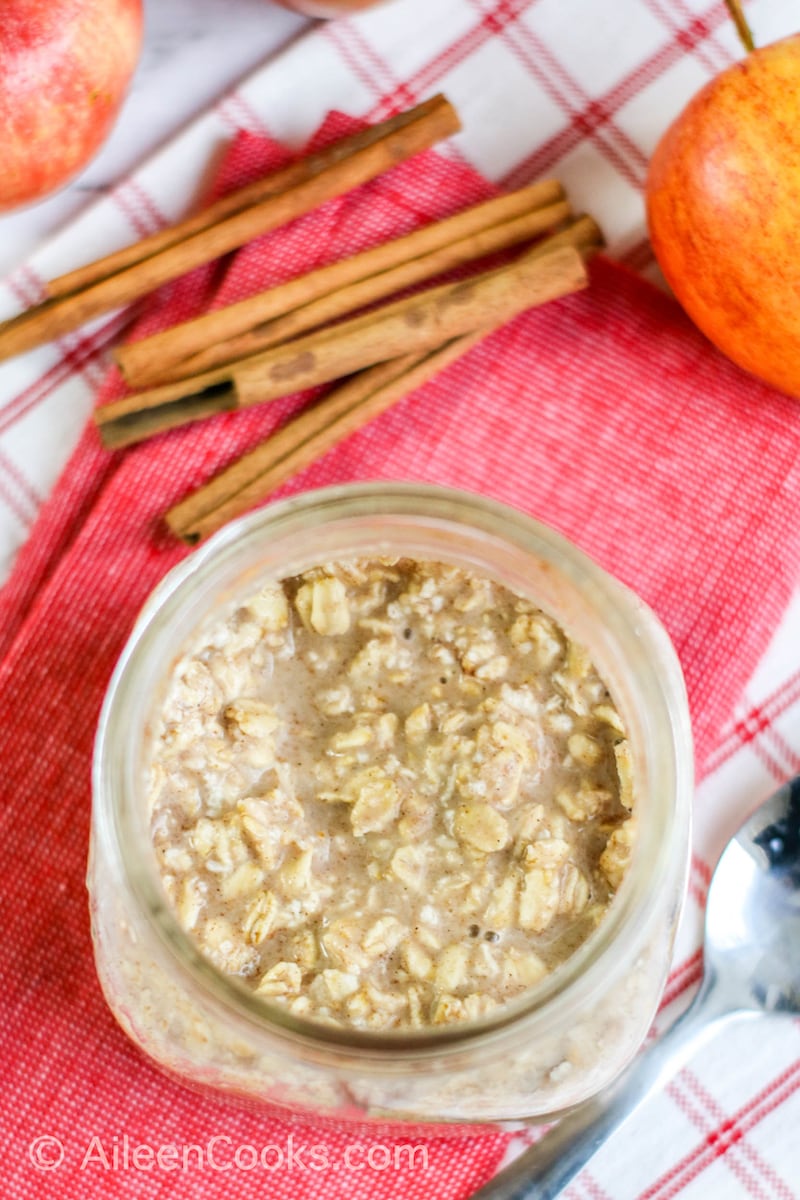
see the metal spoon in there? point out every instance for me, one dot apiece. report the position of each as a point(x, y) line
point(752, 966)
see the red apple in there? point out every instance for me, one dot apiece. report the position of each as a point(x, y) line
point(64, 68)
point(723, 204)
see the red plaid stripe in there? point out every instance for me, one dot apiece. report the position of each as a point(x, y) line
point(744, 1161)
point(757, 721)
point(726, 1134)
point(139, 208)
point(81, 357)
point(373, 71)
point(17, 492)
point(589, 118)
point(237, 113)
point(27, 286)
point(683, 977)
point(586, 1188)
point(545, 157)
point(693, 31)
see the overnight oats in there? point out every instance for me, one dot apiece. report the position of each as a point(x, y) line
point(389, 793)
point(391, 813)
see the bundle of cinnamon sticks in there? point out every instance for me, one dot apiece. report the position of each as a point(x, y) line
point(313, 328)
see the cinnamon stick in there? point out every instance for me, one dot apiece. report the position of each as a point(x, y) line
point(139, 416)
point(419, 323)
point(583, 234)
point(291, 175)
point(416, 324)
point(400, 139)
point(124, 422)
point(366, 291)
point(315, 430)
point(164, 355)
point(308, 436)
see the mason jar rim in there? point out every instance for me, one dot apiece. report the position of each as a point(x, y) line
point(634, 630)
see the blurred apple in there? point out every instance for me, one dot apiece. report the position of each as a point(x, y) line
point(64, 68)
point(327, 9)
point(723, 204)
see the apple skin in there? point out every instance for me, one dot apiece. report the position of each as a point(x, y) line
point(65, 66)
point(327, 9)
point(723, 207)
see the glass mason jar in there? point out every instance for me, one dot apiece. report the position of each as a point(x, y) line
point(556, 1045)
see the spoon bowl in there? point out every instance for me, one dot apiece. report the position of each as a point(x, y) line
point(752, 943)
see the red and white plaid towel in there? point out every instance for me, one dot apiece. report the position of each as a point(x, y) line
point(606, 415)
point(576, 91)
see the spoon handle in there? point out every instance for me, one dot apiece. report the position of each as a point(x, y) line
point(541, 1172)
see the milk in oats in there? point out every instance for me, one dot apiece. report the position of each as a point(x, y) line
point(389, 794)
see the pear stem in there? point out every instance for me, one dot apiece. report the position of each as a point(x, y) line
point(740, 21)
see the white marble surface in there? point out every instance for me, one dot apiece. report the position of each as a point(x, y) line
point(193, 51)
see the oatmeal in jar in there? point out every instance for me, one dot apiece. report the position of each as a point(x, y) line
point(389, 793)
